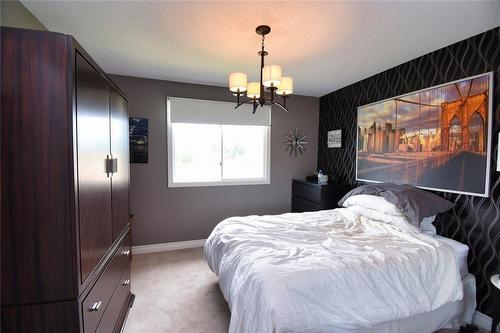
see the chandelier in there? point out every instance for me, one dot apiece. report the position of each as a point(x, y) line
point(270, 80)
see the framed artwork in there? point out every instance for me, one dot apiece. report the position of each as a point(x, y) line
point(437, 138)
point(138, 137)
point(334, 139)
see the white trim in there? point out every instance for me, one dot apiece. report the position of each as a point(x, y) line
point(259, 181)
point(222, 182)
point(498, 153)
point(482, 321)
point(163, 247)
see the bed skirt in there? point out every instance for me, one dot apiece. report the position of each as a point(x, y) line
point(450, 315)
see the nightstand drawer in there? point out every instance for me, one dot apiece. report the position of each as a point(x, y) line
point(307, 191)
point(301, 205)
point(310, 196)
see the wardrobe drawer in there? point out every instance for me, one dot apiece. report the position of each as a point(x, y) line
point(124, 249)
point(110, 321)
point(98, 298)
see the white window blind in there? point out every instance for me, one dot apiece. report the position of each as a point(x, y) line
point(197, 111)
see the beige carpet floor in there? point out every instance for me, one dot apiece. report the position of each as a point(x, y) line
point(176, 292)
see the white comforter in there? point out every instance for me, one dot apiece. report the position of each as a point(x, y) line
point(329, 270)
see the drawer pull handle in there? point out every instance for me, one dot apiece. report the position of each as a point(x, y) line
point(126, 252)
point(126, 282)
point(95, 306)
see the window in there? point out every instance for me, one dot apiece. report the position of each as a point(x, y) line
point(211, 144)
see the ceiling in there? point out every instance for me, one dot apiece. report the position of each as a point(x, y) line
point(323, 45)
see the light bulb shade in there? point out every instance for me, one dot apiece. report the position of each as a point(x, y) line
point(271, 75)
point(286, 86)
point(238, 82)
point(253, 90)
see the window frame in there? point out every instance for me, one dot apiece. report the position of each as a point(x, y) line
point(233, 182)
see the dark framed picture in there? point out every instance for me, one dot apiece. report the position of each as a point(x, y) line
point(438, 138)
point(138, 136)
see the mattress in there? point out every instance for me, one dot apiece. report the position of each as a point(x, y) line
point(460, 250)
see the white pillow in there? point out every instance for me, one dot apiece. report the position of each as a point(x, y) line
point(427, 227)
point(373, 202)
point(398, 221)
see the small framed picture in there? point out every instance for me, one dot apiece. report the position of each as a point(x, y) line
point(334, 139)
point(138, 136)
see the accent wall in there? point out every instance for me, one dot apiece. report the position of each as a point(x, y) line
point(474, 221)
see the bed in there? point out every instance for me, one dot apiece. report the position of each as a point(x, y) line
point(347, 270)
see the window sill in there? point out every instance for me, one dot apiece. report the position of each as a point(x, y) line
point(222, 183)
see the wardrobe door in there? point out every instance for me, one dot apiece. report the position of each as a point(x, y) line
point(94, 187)
point(120, 152)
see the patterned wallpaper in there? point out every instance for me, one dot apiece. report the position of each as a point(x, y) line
point(474, 221)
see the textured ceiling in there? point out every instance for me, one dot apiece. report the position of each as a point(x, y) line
point(322, 45)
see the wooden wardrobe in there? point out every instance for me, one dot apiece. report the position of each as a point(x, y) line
point(65, 228)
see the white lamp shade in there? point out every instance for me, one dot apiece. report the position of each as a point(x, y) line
point(238, 82)
point(286, 86)
point(271, 75)
point(253, 90)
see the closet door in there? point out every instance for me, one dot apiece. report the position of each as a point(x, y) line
point(120, 152)
point(94, 186)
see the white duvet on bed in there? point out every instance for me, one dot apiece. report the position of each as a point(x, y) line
point(321, 271)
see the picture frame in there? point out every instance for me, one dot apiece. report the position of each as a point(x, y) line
point(334, 139)
point(138, 140)
point(437, 138)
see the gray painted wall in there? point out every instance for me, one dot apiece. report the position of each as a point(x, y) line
point(165, 214)
point(14, 14)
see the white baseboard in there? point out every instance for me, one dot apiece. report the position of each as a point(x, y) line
point(191, 244)
point(482, 321)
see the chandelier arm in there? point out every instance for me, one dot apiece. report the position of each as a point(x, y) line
point(284, 97)
point(280, 105)
point(247, 101)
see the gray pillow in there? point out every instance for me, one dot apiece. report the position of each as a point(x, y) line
point(415, 203)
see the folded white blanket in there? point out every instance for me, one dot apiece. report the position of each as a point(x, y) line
point(320, 271)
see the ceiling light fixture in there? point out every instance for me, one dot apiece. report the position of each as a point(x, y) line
point(270, 79)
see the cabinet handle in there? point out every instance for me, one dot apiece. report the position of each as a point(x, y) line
point(126, 252)
point(108, 166)
point(126, 282)
point(95, 306)
point(111, 165)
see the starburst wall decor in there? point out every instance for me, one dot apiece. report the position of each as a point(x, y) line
point(295, 142)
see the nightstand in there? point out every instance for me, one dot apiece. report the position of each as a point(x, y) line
point(308, 195)
point(496, 297)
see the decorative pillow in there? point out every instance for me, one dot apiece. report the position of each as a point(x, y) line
point(415, 203)
point(427, 227)
point(373, 202)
